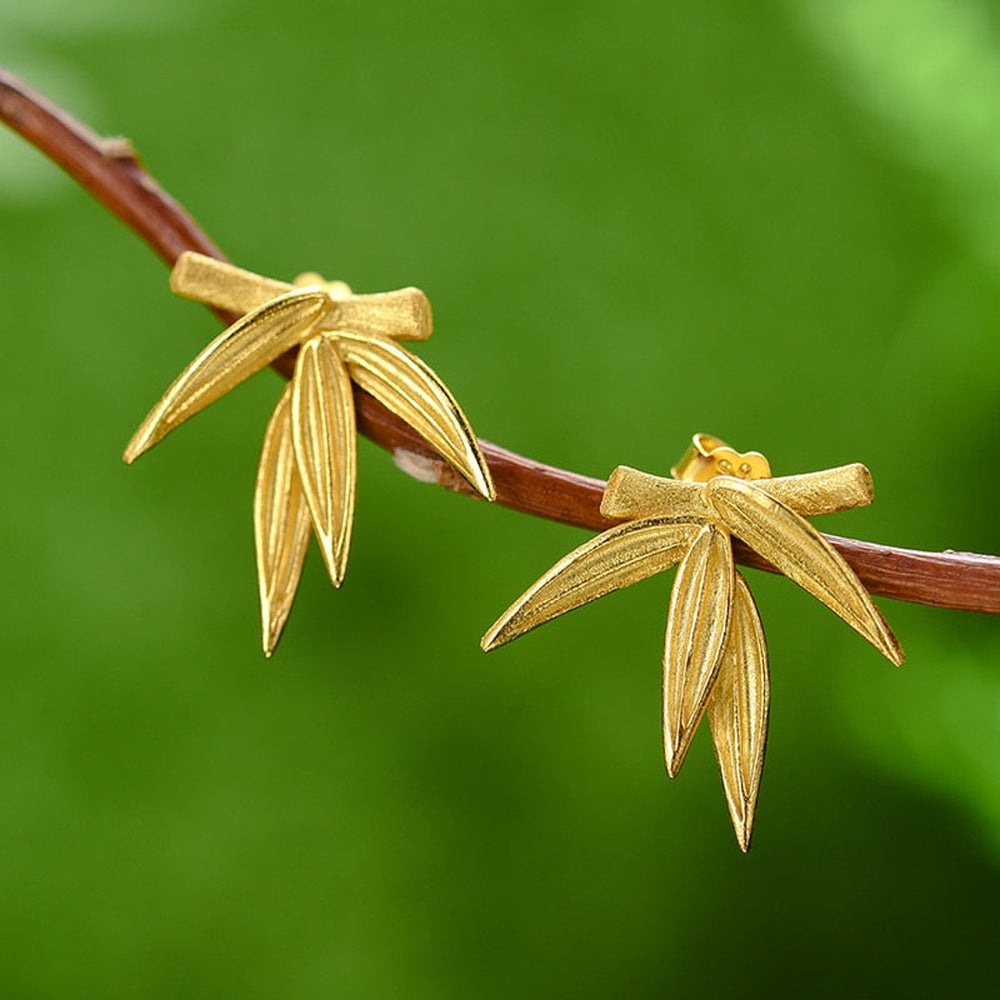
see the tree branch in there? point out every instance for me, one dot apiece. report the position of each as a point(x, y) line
point(112, 172)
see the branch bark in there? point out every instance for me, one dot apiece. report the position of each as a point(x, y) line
point(112, 172)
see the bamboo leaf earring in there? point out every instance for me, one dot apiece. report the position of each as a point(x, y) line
point(308, 467)
point(715, 657)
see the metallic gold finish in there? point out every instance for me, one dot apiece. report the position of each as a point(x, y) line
point(696, 637)
point(404, 384)
point(707, 456)
point(309, 461)
point(715, 656)
point(236, 354)
point(631, 493)
point(404, 314)
point(282, 523)
point(738, 709)
point(793, 546)
point(222, 285)
point(826, 492)
point(617, 558)
point(326, 447)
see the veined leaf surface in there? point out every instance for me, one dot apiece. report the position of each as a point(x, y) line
point(798, 550)
point(617, 558)
point(281, 523)
point(242, 349)
point(409, 388)
point(738, 709)
point(696, 637)
point(325, 447)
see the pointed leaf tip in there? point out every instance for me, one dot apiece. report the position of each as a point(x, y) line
point(697, 626)
point(250, 344)
point(323, 432)
point(407, 386)
point(617, 558)
point(793, 546)
point(738, 712)
point(281, 524)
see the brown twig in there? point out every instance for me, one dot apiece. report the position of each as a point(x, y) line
point(111, 171)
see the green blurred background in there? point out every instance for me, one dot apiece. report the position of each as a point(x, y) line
point(776, 222)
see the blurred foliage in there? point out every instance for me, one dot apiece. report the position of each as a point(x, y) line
point(772, 222)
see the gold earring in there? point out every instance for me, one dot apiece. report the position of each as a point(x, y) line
point(715, 659)
point(306, 478)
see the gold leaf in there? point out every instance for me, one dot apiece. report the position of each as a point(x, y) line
point(244, 348)
point(281, 523)
point(615, 559)
point(793, 546)
point(325, 448)
point(631, 493)
point(696, 636)
point(737, 711)
point(408, 387)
